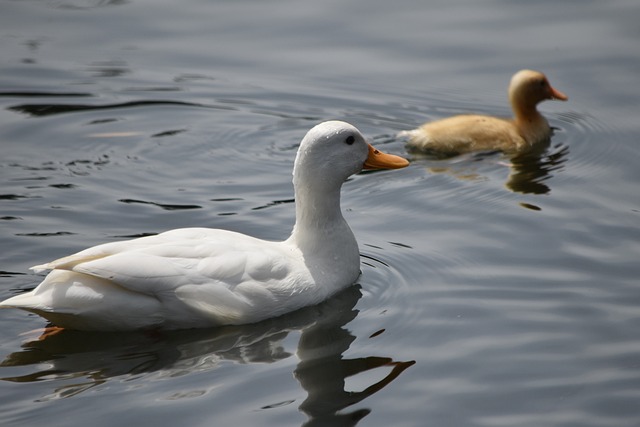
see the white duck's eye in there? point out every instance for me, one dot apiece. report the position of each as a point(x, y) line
point(350, 140)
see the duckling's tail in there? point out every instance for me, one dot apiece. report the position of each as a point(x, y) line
point(407, 134)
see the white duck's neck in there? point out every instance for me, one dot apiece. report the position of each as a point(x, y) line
point(321, 234)
point(327, 244)
point(319, 220)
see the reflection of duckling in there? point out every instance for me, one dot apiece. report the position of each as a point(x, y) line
point(465, 133)
point(528, 172)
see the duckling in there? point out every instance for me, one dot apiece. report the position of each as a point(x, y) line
point(471, 132)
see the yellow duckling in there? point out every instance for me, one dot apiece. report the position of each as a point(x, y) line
point(470, 132)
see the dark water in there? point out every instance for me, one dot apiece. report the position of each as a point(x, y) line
point(494, 292)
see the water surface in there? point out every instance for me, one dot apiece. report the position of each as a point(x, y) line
point(494, 291)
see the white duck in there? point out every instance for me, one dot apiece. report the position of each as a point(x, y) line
point(472, 132)
point(200, 277)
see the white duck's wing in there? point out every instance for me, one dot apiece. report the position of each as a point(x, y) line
point(180, 237)
point(259, 282)
point(217, 276)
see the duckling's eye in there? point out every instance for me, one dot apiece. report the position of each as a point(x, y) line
point(350, 140)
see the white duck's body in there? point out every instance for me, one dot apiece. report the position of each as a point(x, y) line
point(199, 277)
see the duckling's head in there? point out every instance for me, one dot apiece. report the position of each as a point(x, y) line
point(528, 88)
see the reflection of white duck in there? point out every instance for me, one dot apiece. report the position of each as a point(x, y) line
point(199, 277)
point(466, 133)
point(322, 368)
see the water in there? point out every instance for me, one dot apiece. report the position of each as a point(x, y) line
point(491, 295)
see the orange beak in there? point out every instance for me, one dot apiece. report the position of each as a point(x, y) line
point(379, 160)
point(556, 94)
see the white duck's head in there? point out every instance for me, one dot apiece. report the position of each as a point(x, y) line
point(328, 154)
point(332, 151)
point(528, 88)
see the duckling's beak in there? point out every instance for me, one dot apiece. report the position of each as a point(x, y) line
point(556, 94)
point(379, 160)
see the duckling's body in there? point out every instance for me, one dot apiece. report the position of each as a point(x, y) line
point(467, 133)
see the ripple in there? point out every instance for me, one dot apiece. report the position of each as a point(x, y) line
point(51, 234)
point(392, 278)
point(12, 197)
point(10, 274)
point(40, 110)
point(63, 186)
point(274, 203)
point(168, 133)
point(382, 280)
point(591, 142)
point(168, 207)
point(133, 236)
point(36, 94)
point(186, 395)
point(278, 404)
point(84, 4)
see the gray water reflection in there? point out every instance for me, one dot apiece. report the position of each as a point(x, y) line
point(528, 173)
point(77, 362)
